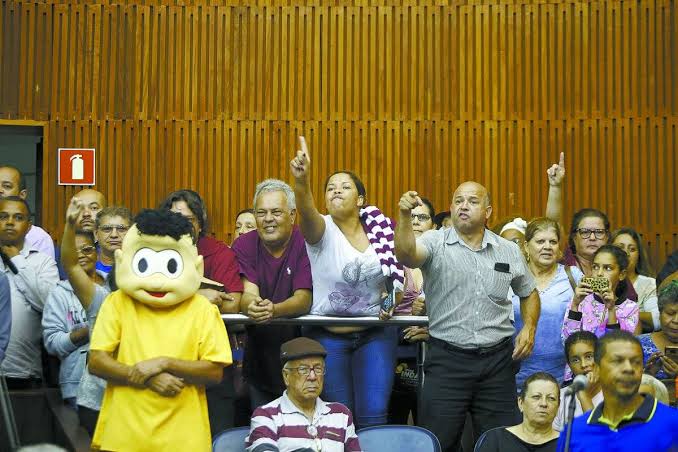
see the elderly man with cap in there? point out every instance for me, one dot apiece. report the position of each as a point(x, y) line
point(300, 421)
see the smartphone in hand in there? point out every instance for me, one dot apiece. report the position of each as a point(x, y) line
point(597, 284)
point(671, 351)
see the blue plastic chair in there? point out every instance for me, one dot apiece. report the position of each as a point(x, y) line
point(398, 438)
point(481, 440)
point(231, 440)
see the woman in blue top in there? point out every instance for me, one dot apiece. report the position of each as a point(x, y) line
point(555, 283)
point(657, 361)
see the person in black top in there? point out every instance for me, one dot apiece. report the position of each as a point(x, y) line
point(538, 401)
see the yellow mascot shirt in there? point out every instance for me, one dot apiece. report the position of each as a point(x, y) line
point(133, 419)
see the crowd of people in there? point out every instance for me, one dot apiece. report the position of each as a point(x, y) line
point(515, 315)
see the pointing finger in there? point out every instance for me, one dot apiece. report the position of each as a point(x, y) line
point(304, 147)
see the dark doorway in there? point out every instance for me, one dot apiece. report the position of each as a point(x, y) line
point(21, 146)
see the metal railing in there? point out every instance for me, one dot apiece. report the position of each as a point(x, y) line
point(398, 320)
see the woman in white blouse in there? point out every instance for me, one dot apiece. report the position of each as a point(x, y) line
point(640, 274)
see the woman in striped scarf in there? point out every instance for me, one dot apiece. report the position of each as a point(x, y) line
point(354, 274)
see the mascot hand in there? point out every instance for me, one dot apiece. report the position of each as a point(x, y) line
point(167, 385)
point(144, 370)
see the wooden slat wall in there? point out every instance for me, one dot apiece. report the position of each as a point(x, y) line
point(409, 94)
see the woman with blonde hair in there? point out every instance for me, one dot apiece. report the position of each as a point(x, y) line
point(555, 283)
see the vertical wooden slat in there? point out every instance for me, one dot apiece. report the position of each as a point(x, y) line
point(415, 94)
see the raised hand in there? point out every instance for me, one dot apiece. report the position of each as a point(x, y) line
point(582, 291)
point(73, 210)
point(556, 173)
point(408, 201)
point(608, 298)
point(301, 164)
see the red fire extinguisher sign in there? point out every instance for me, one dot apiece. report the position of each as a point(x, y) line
point(76, 166)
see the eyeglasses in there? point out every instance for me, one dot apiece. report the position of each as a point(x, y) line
point(305, 370)
point(89, 249)
point(108, 228)
point(421, 217)
point(586, 233)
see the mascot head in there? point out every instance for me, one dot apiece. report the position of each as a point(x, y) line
point(158, 263)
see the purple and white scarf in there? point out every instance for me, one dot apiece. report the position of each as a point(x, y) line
point(379, 230)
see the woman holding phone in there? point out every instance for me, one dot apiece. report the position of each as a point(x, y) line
point(599, 304)
point(660, 349)
point(354, 274)
point(604, 308)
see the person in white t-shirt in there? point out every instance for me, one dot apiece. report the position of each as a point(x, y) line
point(348, 280)
point(580, 349)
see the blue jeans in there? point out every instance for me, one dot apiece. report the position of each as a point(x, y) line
point(359, 371)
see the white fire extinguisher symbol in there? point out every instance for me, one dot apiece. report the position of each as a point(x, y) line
point(77, 167)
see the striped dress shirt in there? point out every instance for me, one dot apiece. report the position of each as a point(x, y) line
point(281, 426)
point(467, 290)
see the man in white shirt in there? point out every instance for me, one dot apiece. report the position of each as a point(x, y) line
point(13, 183)
point(32, 275)
point(580, 349)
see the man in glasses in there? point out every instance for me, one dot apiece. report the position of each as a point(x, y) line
point(110, 226)
point(32, 276)
point(300, 420)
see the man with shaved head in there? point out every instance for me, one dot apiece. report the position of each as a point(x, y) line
point(470, 364)
point(13, 183)
point(93, 201)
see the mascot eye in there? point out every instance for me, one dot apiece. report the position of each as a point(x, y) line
point(142, 263)
point(170, 263)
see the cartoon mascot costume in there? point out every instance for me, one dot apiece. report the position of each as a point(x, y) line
point(157, 342)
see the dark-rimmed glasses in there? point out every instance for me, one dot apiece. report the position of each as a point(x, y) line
point(586, 233)
point(306, 370)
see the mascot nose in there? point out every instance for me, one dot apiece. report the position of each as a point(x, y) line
point(156, 283)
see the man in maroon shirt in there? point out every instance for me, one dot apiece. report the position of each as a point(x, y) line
point(276, 274)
